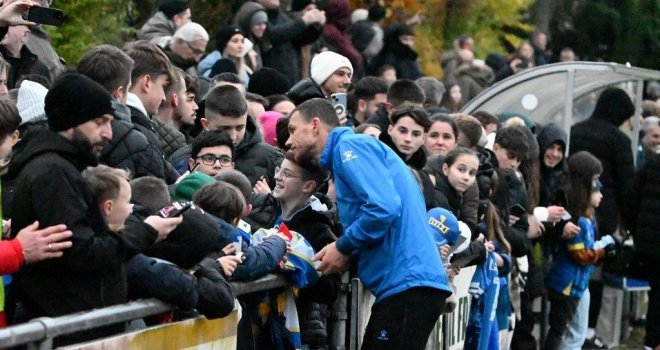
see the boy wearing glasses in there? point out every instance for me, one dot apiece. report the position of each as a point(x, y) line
point(211, 152)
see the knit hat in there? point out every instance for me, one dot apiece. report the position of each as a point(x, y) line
point(326, 63)
point(267, 81)
point(444, 226)
point(299, 5)
point(74, 99)
point(172, 7)
point(185, 189)
point(30, 101)
point(268, 122)
point(359, 15)
point(223, 65)
point(258, 17)
point(223, 36)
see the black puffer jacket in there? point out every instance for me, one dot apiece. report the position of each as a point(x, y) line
point(144, 125)
point(287, 35)
point(129, 148)
point(600, 136)
point(171, 139)
point(51, 189)
point(304, 90)
point(644, 209)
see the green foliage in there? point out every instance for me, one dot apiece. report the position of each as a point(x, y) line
point(496, 25)
point(90, 23)
point(617, 31)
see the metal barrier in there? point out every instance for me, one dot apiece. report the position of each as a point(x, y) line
point(39, 333)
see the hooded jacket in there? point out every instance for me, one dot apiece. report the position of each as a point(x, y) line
point(242, 20)
point(52, 190)
point(473, 80)
point(394, 53)
point(385, 224)
point(551, 178)
point(600, 136)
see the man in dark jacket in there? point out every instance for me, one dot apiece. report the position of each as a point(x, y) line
point(226, 109)
point(129, 148)
point(331, 73)
point(403, 91)
point(600, 136)
point(644, 216)
point(287, 36)
point(51, 190)
point(151, 73)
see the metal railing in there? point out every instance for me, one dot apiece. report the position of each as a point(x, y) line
point(39, 333)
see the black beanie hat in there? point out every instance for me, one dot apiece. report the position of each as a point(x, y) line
point(267, 81)
point(223, 36)
point(74, 99)
point(172, 7)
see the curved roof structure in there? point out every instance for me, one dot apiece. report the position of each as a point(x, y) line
point(563, 93)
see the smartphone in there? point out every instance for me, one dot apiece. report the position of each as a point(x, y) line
point(338, 101)
point(175, 209)
point(45, 15)
point(517, 210)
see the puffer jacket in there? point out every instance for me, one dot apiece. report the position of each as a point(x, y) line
point(600, 136)
point(287, 36)
point(144, 124)
point(304, 90)
point(129, 148)
point(171, 139)
point(473, 80)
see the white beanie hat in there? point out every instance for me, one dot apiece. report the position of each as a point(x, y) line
point(326, 63)
point(30, 101)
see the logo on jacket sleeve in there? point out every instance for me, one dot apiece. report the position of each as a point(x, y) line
point(348, 156)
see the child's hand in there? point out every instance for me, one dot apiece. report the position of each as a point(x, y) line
point(229, 249)
point(444, 251)
point(489, 246)
point(261, 186)
point(535, 229)
point(229, 263)
point(513, 219)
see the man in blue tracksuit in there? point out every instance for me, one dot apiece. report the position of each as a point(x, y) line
point(382, 210)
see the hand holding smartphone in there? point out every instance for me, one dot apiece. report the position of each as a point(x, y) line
point(175, 209)
point(45, 15)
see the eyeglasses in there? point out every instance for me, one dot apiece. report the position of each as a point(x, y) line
point(210, 159)
point(284, 174)
point(194, 50)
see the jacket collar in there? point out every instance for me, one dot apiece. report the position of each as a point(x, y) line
point(333, 138)
point(134, 101)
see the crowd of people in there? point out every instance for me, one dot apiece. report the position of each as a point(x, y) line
point(271, 170)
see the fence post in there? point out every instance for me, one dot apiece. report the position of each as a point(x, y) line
point(340, 315)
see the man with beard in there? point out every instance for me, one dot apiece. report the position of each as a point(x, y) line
point(51, 190)
point(385, 227)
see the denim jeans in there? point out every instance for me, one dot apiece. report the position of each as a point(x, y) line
point(577, 328)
